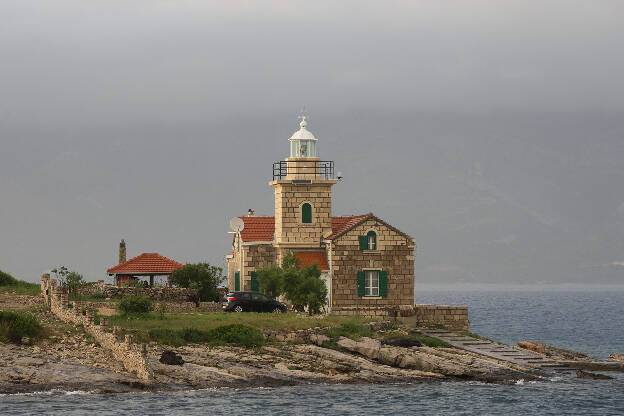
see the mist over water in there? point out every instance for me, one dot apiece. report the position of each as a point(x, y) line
point(491, 134)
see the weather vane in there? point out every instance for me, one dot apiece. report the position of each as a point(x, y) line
point(302, 114)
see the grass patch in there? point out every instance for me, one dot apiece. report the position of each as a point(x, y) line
point(15, 325)
point(471, 335)
point(429, 341)
point(177, 329)
point(9, 284)
point(166, 336)
point(234, 334)
point(423, 339)
point(209, 320)
point(350, 330)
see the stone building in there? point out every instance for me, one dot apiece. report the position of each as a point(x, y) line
point(367, 264)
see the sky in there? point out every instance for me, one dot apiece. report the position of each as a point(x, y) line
point(491, 132)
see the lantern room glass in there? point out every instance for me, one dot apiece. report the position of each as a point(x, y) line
point(303, 148)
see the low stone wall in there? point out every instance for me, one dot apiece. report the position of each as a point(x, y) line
point(188, 307)
point(132, 356)
point(450, 317)
point(371, 312)
point(157, 293)
point(191, 307)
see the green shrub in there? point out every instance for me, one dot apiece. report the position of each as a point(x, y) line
point(98, 295)
point(350, 330)
point(166, 336)
point(16, 325)
point(202, 277)
point(194, 335)
point(236, 334)
point(10, 284)
point(135, 304)
point(6, 279)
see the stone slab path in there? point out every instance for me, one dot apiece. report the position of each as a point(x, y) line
point(501, 352)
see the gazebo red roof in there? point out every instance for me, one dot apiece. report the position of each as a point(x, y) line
point(146, 264)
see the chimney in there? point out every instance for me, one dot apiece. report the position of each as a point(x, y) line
point(122, 251)
point(250, 213)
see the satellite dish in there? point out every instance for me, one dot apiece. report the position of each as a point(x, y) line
point(236, 224)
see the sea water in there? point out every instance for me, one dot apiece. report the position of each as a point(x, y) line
point(585, 319)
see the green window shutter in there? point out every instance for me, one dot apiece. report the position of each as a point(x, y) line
point(306, 213)
point(383, 283)
point(237, 281)
point(361, 283)
point(255, 286)
point(363, 242)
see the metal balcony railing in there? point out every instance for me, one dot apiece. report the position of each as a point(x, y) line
point(322, 169)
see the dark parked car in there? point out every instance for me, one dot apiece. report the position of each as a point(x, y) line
point(251, 302)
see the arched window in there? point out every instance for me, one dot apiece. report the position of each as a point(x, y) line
point(371, 238)
point(306, 213)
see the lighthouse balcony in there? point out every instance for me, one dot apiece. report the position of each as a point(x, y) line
point(304, 170)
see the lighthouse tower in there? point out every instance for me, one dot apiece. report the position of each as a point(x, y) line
point(303, 194)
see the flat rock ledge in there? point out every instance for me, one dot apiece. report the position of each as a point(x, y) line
point(446, 362)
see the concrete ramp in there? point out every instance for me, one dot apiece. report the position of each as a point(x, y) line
point(497, 351)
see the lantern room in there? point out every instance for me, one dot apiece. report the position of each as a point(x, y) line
point(303, 142)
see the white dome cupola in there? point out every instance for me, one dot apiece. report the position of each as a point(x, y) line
point(303, 142)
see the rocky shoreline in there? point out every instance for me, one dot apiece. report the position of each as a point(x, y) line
point(70, 360)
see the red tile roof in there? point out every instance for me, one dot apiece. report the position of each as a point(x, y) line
point(307, 258)
point(146, 263)
point(258, 229)
point(342, 224)
point(263, 228)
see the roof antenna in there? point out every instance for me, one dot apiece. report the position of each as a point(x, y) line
point(303, 118)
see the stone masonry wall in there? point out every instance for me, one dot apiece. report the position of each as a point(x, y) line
point(288, 200)
point(233, 264)
point(256, 257)
point(186, 307)
point(450, 317)
point(372, 312)
point(158, 293)
point(132, 356)
point(394, 254)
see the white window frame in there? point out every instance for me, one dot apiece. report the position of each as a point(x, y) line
point(371, 241)
point(371, 283)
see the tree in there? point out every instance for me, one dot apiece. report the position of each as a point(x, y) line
point(61, 274)
point(202, 277)
point(74, 281)
point(271, 281)
point(303, 287)
point(311, 289)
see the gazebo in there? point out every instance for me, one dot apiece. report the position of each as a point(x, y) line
point(146, 264)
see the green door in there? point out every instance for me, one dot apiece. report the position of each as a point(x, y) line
point(237, 281)
point(255, 286)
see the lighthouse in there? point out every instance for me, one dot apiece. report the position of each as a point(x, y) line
point(367, 264)
point(303, 193)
